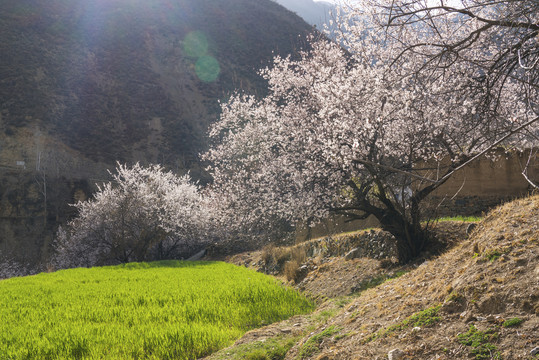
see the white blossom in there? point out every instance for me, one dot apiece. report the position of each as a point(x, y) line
point(145, 213)
point(370, 129)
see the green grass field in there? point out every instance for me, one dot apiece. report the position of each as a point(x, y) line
point(162, 310)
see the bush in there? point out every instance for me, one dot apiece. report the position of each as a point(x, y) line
point(512, 322)
point(283, 259)
point(291, 270)
point(143, 214)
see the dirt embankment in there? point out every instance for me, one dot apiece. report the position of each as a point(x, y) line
point(478, 299)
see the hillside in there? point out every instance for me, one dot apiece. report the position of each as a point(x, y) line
point(478, 300)
point(102, 75)
point(84, 84)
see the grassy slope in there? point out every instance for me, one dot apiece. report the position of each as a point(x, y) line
point(479, 284)
point(164, 310)
point(478, 300)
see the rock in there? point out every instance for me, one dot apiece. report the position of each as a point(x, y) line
point(286, 331)
point(493, 304)
point(534, 351)
point(455, 305)
point(467, 316)
point(352, 254)
point(470, 228)
point(395, 354)
point(199, 255)
point(301, 273)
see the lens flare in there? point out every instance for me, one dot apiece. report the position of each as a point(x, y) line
point(207, 68)
point(195, 44)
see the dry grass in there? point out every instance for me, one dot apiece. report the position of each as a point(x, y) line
point(287, 259)
point(493, 273)
point(291, 270)
point(499, 281)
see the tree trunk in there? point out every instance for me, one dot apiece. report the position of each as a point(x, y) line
point(410, 237)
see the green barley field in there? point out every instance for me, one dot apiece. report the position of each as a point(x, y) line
point(161, 310)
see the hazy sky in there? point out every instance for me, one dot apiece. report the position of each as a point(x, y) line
point(329, 1)
point(433, 2)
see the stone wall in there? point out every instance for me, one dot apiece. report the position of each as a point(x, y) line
point(32, 205)
point(374, 244)
point(473, 190)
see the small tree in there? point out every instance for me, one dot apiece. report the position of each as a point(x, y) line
point(143, 214)
point(366, 131)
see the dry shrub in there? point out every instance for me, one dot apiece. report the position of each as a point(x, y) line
point(282, 255)
point(298, 254)
point(291, 270)
point(273, 255)
point(278, 257)
point(267, 256)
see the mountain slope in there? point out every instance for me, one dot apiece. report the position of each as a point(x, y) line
point(314, 12)
point(486, 280)
point(84, 84)
point(99, 74)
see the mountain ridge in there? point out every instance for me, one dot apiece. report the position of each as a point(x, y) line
point(316, 13)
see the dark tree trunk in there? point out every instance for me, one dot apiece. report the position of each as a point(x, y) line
point(400, 218)
point(410, 236)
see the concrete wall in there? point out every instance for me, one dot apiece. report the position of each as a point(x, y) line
point(487, 177)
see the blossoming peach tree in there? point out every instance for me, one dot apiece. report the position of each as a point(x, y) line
point(499, 39)
point(144, 213)
point(369, 128)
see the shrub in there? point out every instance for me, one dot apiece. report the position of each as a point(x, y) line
point(480, 343)
point(291, 270)
point(281, 259)
point(512, 322)
point(143, 214)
